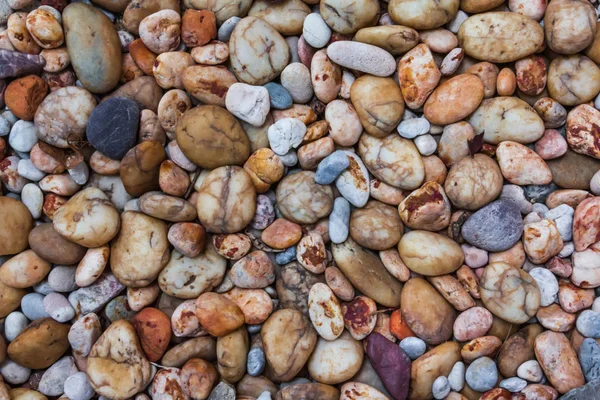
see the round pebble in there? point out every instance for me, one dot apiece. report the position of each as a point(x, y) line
point(413, 347)
point(440, 388)
point(32, 305)
point(14, 324)
point(482, 374)
point(77, 387)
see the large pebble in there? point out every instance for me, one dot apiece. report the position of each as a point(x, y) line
point(325, 312)
point(248, 103)
point(94, 47)
point(258, 53)
point(17, 223)
point(112, 127)
point(472, 323)
point(92, 298)
point(40, 345)
point(429, 253)
point(84, 333)
point(335, 361)
point(53, 380)
point(303, 201)
point(362, 57)
point(496, 227)
point(391, 363)
point(77, 387)
point(418, 75)
point(559, 361)
point(482, 374)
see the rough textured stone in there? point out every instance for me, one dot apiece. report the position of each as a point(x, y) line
point(495, 227)
point(14, 63)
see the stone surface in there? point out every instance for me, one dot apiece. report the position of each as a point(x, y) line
point(112, 127)
point(496, 227)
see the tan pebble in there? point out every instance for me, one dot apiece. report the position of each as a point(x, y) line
point(256, 304)
point(485, 346)
point(393, 263)
point(435, 170)
point(507, 82)
point(586, 226)
point(171, 107)
point(439, 40)
point(188, 238)
point(340, 285)
point(453, 291)
point(129, 69)
point(344, 123)
point(469, 281)
point(326, 77)
point(161, 30)
point(19, 35)
point(572, 298)
point(453, 144)
point(103, 165)
point(488, 73)
point(218, 315)
point(385, 193)
point(573, 80)
point(24, 270)
point(300, 111)
point(555, 318)
point(376, 226)
point(426, 208)
point(418, 75)
point(264, 168)
point(197, 378)
point(47, 158)
point(209, 84)
point(140, 298)
point(303, 201)
point(184, 321)
point(168, 69)
point(213, 53)
point(472, 323)
point(311, 154)
point(253, 271)
point(429, 253)
point(515, 256)
point(425, 369)
point(62, 185)
point(92, 265)
point(232, 246)
point(521, 165)
point(139, 170)
point(172, 179)
point(542, 240)
point(570, 197)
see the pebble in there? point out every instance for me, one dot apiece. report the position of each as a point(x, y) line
point(547, 283)
point(84, 333)
point(513, 385)
point(256, 361)
point(339, 220)
point(482, 374)
point(33, 198)
point(413, 127)
point(426, 144)
point(226, 29)
point(331, 167)
point(15, 64)
point(223, 391)
point(286, 256)
point(495, 227)
point(413, 347)
point(279, 97)
point(286, 134)
point(315, 31)
point(456, 377)
point(53, 380)
point(112, 127)
point(516, 194)
point(23, 136)
point(77, 387)
point(362, 57)
point(14, 324)
point(440, 388)
point(32, 305)
point(58, 307)
point(531, 371)
point(588, 324)
point(14, 373)
point(248, 103)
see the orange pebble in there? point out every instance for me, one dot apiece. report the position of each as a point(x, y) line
point(398, 326)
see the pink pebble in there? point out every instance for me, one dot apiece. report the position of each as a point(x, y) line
point(551, 145)
point(474, 257)
point(472, 323)
point(305, 52)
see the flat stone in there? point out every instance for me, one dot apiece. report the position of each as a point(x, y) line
point(113, 127)
point(562, 170)
point(256, 361)
point(54, 378)
point(92, 298)
point(496, 227)
point(590, 391)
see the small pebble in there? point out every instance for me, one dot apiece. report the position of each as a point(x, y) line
point(514, 384)
point(77, 387)
point(456, 378)
point(413, 127)
point(256, 361)
point(53, 380)
point(279, 97)
point(516, 194)
point(13, 373)
point(413, 346)
point(440, 388)
point(32, 305)
point(547, 283)
point(588, 324)
point(331, 167)
point(14, 323)
point(23, 136)
point(315, 31)
point(226, 29)
point(286, 134)
point(286, 256)
point(482, 374)
point(339, 220)
point(530, 371)
point(58, 307)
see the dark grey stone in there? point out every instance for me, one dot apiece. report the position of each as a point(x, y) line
point(495, 227)
point(539, 193)
point(223, 391)
point(113, 126)
point(589, 358)
point(13, 64)
point(331, 167)
point(589, 391)
point(280, 97)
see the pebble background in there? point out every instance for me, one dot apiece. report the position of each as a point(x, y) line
point(299, 199)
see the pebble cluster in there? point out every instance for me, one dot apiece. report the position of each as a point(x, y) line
point(299, 199)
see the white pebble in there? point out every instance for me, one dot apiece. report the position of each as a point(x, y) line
point(23, 136)
point(286, 134)
point(4, 126)
point(77, 387)
point(440, 388)
point(80, 173)
point(10, 117)
point(426, 144)
point(27, 170)
point(514, 384)
point(456, 378)
point(315, 31)
point(264, 396)
point(547, 283)
point(33, 198)
point(13, 373)
point(58, 307)
point(410, 128)
point(248, 103)
point(452, 61)
point(531, 371)
point(413, 346)
point(567, 250)
point(14, 324)
point(457, 21)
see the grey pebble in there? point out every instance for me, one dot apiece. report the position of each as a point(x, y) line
point(547, 283)
point(53, 380)
point(456, 377)
point(290, 159)
point(84, 333)
point(514, 384)
point(58, 307)
point(331, 167)
point(496, 227)
point(14, 324)
point(253, 329)
point(226, 29)
point(339, 220)
point(223, 391)
point(62, 278)
point(563, 218)
point(516, 194)
point(118, 308)
point(589, 357)
point(32, 305)
point(256, 361)
point(539, 193)
point(482, 374)
point(279, 97)
point(440, 388)
point(287, 256)
point(92, 298)
point(77, 387)
point(588, 324)
point(14, 373)
point(413, 346)
point(589, 391)
point(43, 287)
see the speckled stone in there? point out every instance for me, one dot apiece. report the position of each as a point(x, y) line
point(113, 127)
point(589, 357)
point(279, 96)
point(539, 193)
point(286, 256)
point(256, 361)
point(14, 63)
point(588, 324)
point(496, 227)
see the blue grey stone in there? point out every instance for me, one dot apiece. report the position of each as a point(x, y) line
point(589, 391)
point(280, 97)
point(223, 391)
point(514, 384)
point(331, 167)
point(113, 127)
point(413, 346)
point(62, 278)
point(287, 256)
point(339, 220)
point(32, 305)
point(43, 287)
point(482, 374)
point(539, 193)
point(589, 358)
point(226, 29)
point(253, 329)
point(588, 324)
point(118, 308)
point(256, 361)
point(495, 227)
